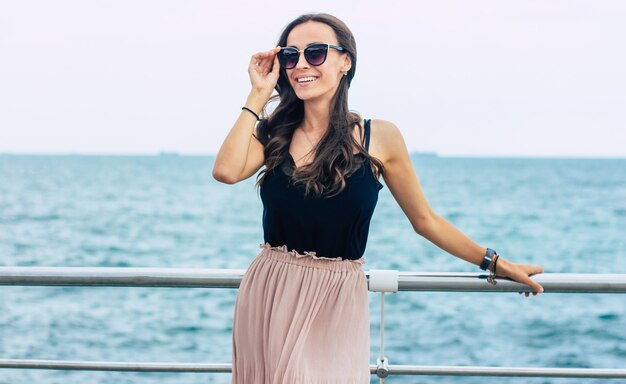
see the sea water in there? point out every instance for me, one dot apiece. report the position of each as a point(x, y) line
point(566, 215)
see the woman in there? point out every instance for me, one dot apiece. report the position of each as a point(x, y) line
point(302, 312)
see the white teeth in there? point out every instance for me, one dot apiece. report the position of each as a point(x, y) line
point(305, 79)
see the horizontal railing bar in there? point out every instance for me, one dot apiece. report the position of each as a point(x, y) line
point(440, 370)
point(505, 371)
point(114, 366)
point(122, 277)
point(231, 278)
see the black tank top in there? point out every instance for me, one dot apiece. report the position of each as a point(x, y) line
point(333, 227)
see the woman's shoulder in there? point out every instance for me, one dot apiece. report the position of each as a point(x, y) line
point(385, 139)
point(383, 125)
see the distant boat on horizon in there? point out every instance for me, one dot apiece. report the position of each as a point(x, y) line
point(168, 153)
point(425, 154)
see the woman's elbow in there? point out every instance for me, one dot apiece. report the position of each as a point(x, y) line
point(422, 224)
point(223, 177)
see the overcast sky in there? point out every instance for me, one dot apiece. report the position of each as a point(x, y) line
point(460, 78)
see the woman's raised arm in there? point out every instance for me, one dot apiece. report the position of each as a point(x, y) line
point(241, 154)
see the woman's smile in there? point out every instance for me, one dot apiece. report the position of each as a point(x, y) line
point(304, 81)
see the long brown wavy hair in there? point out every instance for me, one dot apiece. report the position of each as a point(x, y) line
point(334, 159)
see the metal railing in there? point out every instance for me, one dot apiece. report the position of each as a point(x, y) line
point(231, 278)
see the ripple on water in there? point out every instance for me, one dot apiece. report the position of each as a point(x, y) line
point(609, 316)
point(569, 360)
point(619, 350)
point(191, 329)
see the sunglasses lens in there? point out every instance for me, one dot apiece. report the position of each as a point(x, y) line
point(316, 54)
point(288, 58)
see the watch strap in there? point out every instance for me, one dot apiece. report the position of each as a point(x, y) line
point(487, 259)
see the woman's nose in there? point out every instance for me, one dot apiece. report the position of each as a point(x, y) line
point(302, 63)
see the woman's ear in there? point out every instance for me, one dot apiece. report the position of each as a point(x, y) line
point(347, 63)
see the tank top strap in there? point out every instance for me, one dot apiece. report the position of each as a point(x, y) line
point(367, 134)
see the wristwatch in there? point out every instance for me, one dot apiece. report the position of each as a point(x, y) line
point(487, 259)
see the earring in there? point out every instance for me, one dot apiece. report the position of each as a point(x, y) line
point(345, 73)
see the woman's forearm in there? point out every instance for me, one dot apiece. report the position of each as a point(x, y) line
point(232, 155)
point(447, 237)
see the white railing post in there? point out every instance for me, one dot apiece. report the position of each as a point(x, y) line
point(383, 280)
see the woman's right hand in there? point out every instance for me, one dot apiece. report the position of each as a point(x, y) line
point(520, 273)
point(264, 70)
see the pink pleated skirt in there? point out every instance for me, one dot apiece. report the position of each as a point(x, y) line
point(301, 319)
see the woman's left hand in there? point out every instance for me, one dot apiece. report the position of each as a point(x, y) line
point(520, 273)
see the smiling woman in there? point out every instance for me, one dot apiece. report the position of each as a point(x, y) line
point(302, 313)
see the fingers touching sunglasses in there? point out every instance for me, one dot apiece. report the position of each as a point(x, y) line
point(314, 54)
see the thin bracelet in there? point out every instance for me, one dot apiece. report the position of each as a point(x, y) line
point(495, 265)
point(491, 279)
point(492, 263)
point(251, 111)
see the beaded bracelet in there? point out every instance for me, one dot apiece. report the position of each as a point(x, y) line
point(491, 279)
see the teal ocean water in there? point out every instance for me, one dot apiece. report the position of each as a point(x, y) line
point(567, 215)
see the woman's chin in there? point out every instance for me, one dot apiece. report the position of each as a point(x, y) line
point(305, 96)
point(308, 96)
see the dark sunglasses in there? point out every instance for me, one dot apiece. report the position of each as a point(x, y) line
point(315, 54)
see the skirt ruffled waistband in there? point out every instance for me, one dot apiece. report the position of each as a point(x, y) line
point(309, 254)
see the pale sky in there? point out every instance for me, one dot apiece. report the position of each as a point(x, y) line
point(460, 78)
